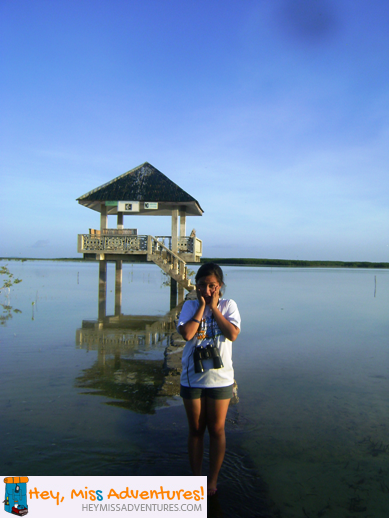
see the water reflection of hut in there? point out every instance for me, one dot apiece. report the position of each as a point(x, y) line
point(130, 358)
point(136, 336)
point(143, 191)
point(131, 384)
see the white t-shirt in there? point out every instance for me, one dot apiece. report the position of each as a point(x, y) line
point(208, 332)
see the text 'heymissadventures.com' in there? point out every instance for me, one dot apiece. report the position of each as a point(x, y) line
point(142, 507)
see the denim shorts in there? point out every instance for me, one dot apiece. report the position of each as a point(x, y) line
point(213, 393)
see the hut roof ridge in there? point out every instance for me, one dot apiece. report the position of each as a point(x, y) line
point(104, 185)
point(142, 183)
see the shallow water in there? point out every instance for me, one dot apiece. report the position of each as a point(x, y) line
point(309, 436)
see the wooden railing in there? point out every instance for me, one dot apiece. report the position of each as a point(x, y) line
point(163, 256)
point(100, 243)
point(112, 241)
point(114, 231)
point(104, 246)
point(169, 262)
point(185, 244)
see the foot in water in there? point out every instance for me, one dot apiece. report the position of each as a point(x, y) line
point(211, 491)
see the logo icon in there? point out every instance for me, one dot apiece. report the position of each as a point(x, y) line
point(16, 495)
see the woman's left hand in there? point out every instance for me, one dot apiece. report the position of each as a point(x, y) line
point(228, 329)
point(214, 298)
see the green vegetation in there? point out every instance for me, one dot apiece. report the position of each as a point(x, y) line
point(6, 285)
point(9, 280)
point(293, 263)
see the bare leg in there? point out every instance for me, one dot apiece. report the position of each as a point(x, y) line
point(195, 412)
point(216, 418)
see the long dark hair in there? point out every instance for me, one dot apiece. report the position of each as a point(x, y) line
point(211, 269)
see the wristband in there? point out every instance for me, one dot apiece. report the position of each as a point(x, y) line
point(194, 320)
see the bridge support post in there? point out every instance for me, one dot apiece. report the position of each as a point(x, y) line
point(173, 293)
point(102, 290)
point(103, 217)
point(118, 287)
point(120, 220)
point(181, 294)
point(175, 231)
point(182, 223)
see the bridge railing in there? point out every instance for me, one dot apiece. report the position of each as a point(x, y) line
point(114, 244)
point(164, 254)
point(125, 241)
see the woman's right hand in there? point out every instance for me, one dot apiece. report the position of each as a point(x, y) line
point(190, 328)
point(200, 298)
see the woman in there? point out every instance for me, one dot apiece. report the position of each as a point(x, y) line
point(209, 325)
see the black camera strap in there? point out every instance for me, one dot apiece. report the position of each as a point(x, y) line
point(213, 336)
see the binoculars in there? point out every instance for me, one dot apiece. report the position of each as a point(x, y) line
point(206, 353)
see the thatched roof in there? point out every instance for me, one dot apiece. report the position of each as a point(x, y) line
point(144, 184)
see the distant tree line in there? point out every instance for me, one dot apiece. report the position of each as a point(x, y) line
point(294, 263)
point(244, 262)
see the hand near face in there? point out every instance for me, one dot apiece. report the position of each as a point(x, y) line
point(207, 289)
point(214, 298)
point(200, 298)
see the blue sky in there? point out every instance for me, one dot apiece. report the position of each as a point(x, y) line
point(273, 114)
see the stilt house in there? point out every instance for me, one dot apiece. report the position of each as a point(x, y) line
point(143, 191)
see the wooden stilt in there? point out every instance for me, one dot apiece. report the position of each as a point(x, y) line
point(173, 293)
point(102, 290)
point(118, 287)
